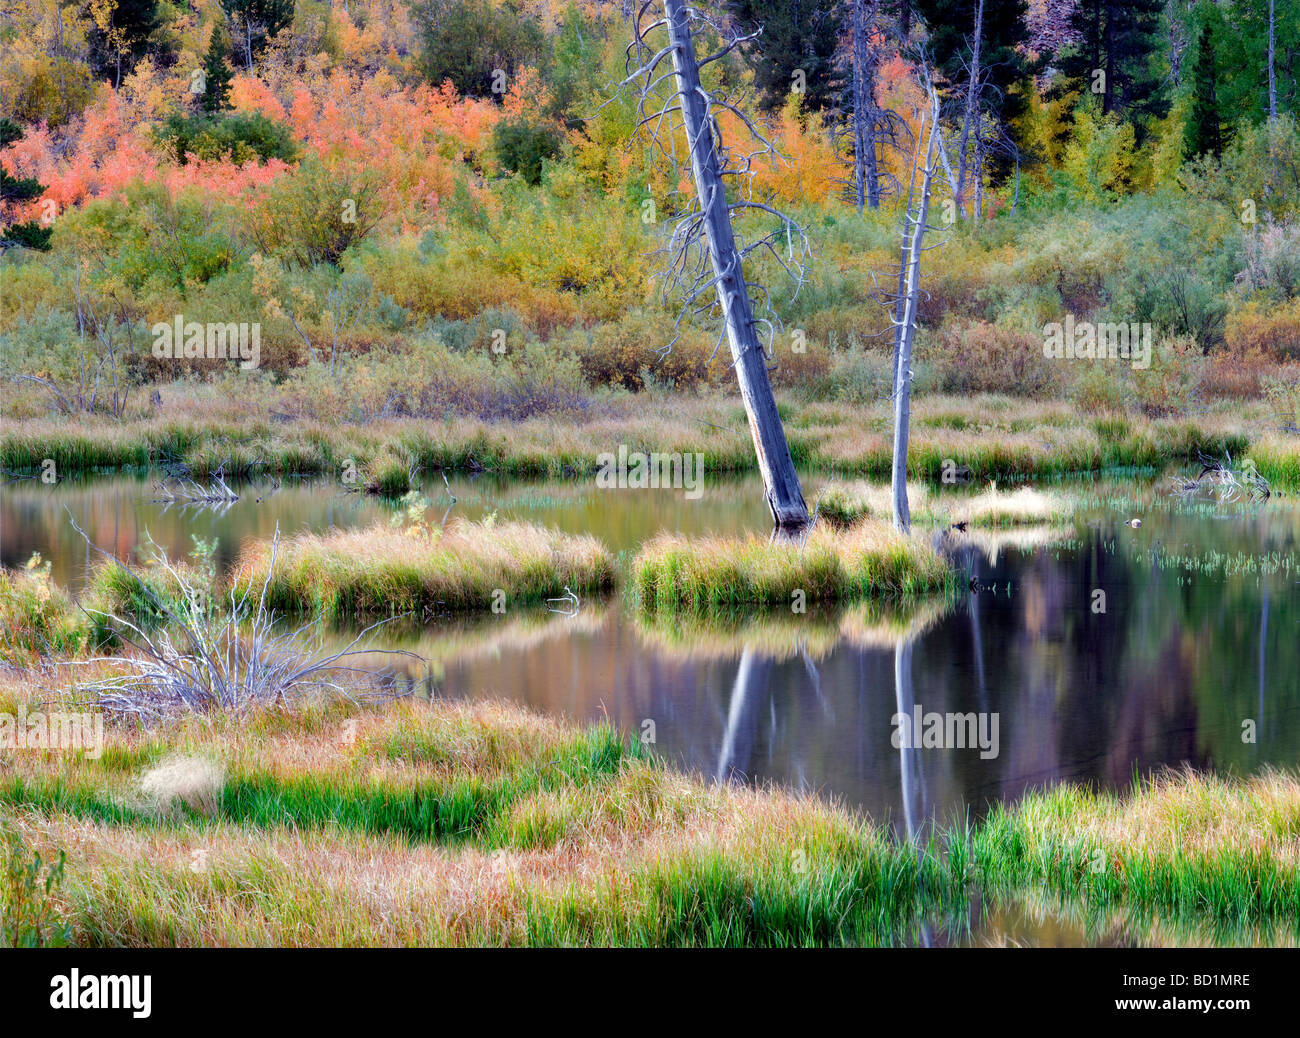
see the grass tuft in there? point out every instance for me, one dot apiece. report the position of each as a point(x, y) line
point(672, 571)
point(387, 571)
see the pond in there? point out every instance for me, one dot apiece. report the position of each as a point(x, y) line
point(1097, 651)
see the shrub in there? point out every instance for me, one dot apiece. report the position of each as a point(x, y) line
point(1283, 393)
point(36, 617)
point(855, 376)
point(1173, 381)
point(1261, 165)
point(46, 90)
point(1272, 330)
point(424, 379)
point(29, 913)
point(624, 352)
point(466, 41)
point(1097, 391)
point(985, 358)
point(1237, 374)
point(237, 137)
point(314, 215)
point(521, 145)
point(1272, 260)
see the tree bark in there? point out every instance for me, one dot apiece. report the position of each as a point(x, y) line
point(780, 480)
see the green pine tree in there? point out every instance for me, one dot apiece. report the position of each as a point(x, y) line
point(1116, 56)
point(796, 49)
point(217, 76)
point(1205, 130)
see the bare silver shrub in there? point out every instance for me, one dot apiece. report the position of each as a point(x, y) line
point(212, 653)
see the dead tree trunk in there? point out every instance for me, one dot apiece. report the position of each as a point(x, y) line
point(905, 328)
point(1272, 76)
point(867, 176)
point(780, 480)
point(971, 116)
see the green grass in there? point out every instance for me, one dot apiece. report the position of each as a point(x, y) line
point(1277, 459)
point(1183, 847)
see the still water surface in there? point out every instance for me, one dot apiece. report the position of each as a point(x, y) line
point(1197, 637)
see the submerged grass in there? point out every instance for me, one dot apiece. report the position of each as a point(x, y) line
point(388, 571)
point(673, 571)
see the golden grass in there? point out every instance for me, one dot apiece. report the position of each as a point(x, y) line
point(992, 436)
point(597, 844)
point(843, 505)
point(1183, 814)
point(383, 570)
point(872, 558)
point(1024, 506)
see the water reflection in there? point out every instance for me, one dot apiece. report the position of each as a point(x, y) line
point(1196, 635)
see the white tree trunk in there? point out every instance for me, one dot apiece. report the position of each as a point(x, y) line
point(780, 480)
point(905, 332)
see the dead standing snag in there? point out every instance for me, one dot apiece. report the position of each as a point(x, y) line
point(705, 260)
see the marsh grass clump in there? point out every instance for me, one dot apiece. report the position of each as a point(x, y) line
point(1182, 844)
point(388, 475)
point(843, 505)
point(384, 571)
point(1023, 506)
point(143, 595)
point(194, 782)
point(37, 618)
point(1276, 457)
point(871, 559)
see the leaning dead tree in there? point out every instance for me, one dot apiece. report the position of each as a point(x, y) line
point(706, 253)
point(915, 224)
